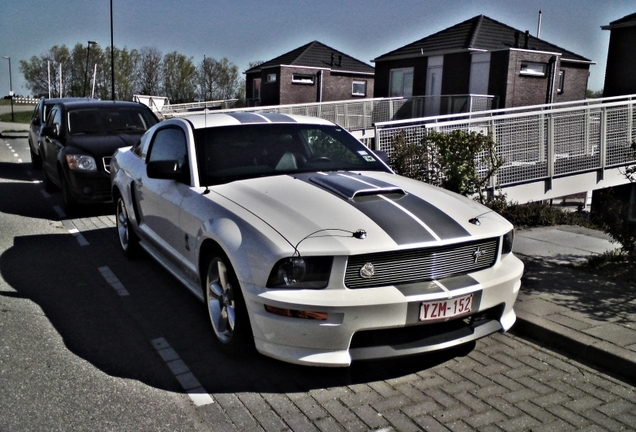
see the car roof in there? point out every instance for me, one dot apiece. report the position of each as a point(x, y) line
point(201, 121)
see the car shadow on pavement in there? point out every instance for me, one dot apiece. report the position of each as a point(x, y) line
point(115, 333)
point(598, 298)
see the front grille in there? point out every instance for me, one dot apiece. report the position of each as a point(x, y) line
point(106, 161)
point(420, 265)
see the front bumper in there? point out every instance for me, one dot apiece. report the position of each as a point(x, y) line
point(381, 322)
point(90, 187)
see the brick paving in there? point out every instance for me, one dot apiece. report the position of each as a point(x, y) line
point(504, 384)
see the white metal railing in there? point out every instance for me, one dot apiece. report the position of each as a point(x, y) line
point(361, 114)
point(544, 143)
point(172, 110)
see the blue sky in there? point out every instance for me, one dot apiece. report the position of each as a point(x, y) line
point(250, 30)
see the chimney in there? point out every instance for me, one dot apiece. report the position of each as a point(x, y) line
point(525, 45)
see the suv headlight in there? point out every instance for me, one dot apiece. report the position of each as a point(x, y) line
point(81, 163)
point(301, 272)
point(508, 240)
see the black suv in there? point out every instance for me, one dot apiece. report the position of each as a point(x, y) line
point(78, 141)
point(38, 119)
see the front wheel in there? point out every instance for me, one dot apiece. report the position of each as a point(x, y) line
point(70, 202)
point(226, 307)
point(36, 160)
point(128, 240)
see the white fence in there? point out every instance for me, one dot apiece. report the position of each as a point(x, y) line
point(586, 140)
point(355, 115)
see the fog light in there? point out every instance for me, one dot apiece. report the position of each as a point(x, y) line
point(87, 190)
point(322, 316)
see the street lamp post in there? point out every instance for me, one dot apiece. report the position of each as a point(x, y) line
point(88, 52)
point(10, 86)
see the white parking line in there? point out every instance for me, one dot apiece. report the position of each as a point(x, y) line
point(182, 373)
point(113, 281)
point(79, 237)
point(59, 211)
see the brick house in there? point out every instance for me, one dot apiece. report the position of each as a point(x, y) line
point(310, 73)
point(620, 72)
point(482, 56)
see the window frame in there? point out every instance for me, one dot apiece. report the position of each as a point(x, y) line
point(303, 79)
point(362, 83)
point(531, 69)
point(394, 92)
point(256, 88)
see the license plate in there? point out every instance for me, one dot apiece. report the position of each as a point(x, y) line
point(445, 309)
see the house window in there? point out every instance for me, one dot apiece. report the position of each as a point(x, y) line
point(256, 93)
point(401, 82)
point(359, 88)
point(561, 82)
point(303, 79)
point(533, 69)
point(271, 78)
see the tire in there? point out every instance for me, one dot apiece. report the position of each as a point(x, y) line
point(36, 160)
point(70, 203)
point(128, 239)
point(226, 307)
point(49, 186)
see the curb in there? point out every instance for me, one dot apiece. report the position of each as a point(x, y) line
point(610, 358)
point(14, 134)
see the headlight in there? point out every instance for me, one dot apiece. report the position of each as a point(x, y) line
point(301, 272)
point(508, 240)
point(81, 162)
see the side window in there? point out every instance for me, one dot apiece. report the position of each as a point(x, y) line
point(141, 147)
point(170, 144)
point(54, 117)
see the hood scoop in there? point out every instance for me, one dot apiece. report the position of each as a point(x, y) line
point(351, 186)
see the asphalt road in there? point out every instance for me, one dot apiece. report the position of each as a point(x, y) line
point(92, 341)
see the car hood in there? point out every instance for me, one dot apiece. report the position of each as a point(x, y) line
point(346, 212)
point(102, 145)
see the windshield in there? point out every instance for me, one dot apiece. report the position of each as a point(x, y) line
point(109, 120)
point(238, 152)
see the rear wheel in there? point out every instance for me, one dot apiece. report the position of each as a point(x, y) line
point(128, 240)
point(226, 306)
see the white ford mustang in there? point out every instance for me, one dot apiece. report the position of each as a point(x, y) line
point(302, 242)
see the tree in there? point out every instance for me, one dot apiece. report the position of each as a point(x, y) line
point(179, 78)
point(36, 72)
point(149, 71)
point(126, 70)
point(218, 80)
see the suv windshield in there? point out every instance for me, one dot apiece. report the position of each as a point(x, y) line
point(108, 120)
point(238, 152)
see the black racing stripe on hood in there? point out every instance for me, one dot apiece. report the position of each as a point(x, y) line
point(442, 224)
point(399, 214)
point(401, 227)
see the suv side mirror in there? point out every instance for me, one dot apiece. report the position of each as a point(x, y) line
point(51, 131)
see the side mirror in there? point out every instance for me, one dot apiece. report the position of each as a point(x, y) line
point(384, 156)
point(51, 131)
point(164, 169)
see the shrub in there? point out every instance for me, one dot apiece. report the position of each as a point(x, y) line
point(460, 161)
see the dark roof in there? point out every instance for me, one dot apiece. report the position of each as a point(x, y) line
point(478, 33)
point(626, 21)
point(317, 55)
